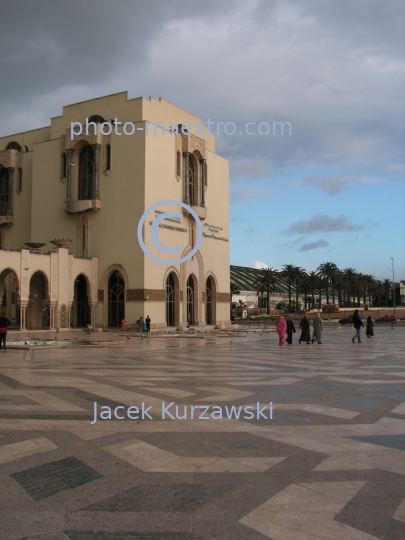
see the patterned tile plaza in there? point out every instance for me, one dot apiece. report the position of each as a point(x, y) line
point(330, 465)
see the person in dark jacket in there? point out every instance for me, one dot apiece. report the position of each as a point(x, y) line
point(305, 330)
point(4, 322)
point(147, 320)
point(358, 325)
point(369, 327)
point(290, 330)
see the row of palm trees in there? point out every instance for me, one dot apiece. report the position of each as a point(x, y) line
point(345, 286)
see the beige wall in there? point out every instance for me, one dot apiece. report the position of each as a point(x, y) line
point(143, 172)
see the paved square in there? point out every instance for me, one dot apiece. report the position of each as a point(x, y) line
point(330, 465)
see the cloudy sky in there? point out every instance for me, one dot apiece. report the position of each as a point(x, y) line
point(333, 190)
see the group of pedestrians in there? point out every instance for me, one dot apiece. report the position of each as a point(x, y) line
point(287, 328)
point(144, 324)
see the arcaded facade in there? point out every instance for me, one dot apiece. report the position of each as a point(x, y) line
point(86, 192)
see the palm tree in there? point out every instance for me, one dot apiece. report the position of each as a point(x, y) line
point(299, 276)
point(387, 284)
point(269, 281)
point(369, 281)
point(313, 281)
point(350, 274)
point(328, 272)
point(288, 272)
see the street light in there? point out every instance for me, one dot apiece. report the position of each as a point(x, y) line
point(393, 283)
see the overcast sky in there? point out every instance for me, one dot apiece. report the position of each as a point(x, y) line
point(333, 190)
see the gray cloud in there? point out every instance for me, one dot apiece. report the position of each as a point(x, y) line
point(325, 223)
point(340, 72)
point(334, 185)
point(314, 245)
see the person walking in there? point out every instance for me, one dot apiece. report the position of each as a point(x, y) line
point(140, 323)
point(124, 326)
point(281, 328)
point(305, 330)
point(318, 327)
point(4, 322)
point(290, 330)
point(369, 327)
point(147, 320)
point(358, 325)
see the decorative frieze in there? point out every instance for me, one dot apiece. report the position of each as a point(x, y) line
point(224, 297)
point(139, 295)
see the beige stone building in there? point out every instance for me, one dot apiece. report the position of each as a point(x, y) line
point(87, 193)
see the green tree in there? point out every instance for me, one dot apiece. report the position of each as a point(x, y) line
point(351, 276)
point(268, 281)
point(327, 272)
point(288, 273)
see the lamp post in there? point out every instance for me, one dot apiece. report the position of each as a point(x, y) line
point(393, 283)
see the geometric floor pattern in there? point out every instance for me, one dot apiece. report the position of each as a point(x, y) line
point(329, 465)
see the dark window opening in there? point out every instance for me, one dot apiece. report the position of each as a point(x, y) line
point(5, 195)
point(178, 164)
point(19, 179)
point(13, 146)
point(86, 173)
point(170, 300)
point(208, 293)
point(81, 302)
point(116, 300)
point(108, 157)
point(190, 300)
point(63, 166)
point(191, 181)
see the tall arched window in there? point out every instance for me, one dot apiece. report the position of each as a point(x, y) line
point(19, 180)
point(116, 300)
point(170, 300)
point(190, 300)
point(4, 192)
point(209, 294)
point(81, 308)
point(107, 157)
point(86, 173)
point(191, 181)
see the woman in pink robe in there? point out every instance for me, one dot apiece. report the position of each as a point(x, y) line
point(281, 328)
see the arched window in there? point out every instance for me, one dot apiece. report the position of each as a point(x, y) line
point(107, 157)
point(97, 119)
point(86, 173)
point(191, 181)
point(116, 300)
point(19, 180)
point(190, 300)
point(170, 300)
point(4, 192)
point(178, 164)
point(209, 300)
point(13, 146)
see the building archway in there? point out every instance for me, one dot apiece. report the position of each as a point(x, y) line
point(192, 303)
point(211, 300)
point(172, 300)
point(10, 294)
point(38, 317)
point(116, 300)
point(81, 308)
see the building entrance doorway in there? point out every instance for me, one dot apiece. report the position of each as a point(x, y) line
point(116, 300)
point(81, 308)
